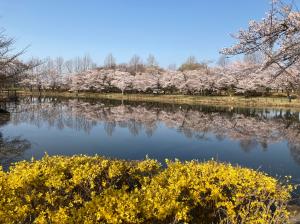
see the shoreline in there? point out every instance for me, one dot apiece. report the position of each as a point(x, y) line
point(226, 101)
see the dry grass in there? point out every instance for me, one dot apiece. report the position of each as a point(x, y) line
point(235, 101)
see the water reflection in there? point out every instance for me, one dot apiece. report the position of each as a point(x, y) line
point(252, 128)
point(11, 148)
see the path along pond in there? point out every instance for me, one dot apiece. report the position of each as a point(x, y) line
point(262, 139)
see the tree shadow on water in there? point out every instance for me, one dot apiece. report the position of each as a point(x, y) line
point(11, 148)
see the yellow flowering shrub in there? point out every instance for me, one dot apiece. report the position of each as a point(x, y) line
point(82, 189)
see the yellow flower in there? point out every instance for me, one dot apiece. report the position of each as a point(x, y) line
point(82, 189)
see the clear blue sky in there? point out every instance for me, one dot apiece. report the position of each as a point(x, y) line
point(170, 29)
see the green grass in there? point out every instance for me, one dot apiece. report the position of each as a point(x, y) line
point(234, 101)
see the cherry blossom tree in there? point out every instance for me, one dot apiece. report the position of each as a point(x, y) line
point(277, 36)
point(123, 81)
point(171, 80)
point(34, 76)
point(145, 82)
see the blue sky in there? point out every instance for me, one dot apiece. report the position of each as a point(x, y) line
point(169, 29)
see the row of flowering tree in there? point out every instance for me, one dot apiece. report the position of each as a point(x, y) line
point(235, 78)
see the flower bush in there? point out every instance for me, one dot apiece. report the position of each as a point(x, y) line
point(83, 189)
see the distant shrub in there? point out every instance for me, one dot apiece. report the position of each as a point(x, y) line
point(193, 66)
point(82, 189)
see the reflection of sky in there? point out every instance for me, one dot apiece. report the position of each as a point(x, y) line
point(163, 143)
point(256, 138)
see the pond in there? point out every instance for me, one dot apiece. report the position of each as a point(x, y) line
point(262, 139)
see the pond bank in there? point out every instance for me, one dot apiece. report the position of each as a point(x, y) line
point(234, 101)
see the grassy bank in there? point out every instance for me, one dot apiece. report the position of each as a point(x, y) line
point(235, 101)
point(82, 189)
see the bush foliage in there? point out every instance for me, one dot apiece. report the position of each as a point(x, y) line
point(82, 189)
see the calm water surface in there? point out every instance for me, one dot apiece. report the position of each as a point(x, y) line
point(264, 139)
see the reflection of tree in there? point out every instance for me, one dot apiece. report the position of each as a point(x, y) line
point(293, 138)
point(11, 149)
point(109, 127)
point(250, 127)
point(248, 144)
point(295, 152)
